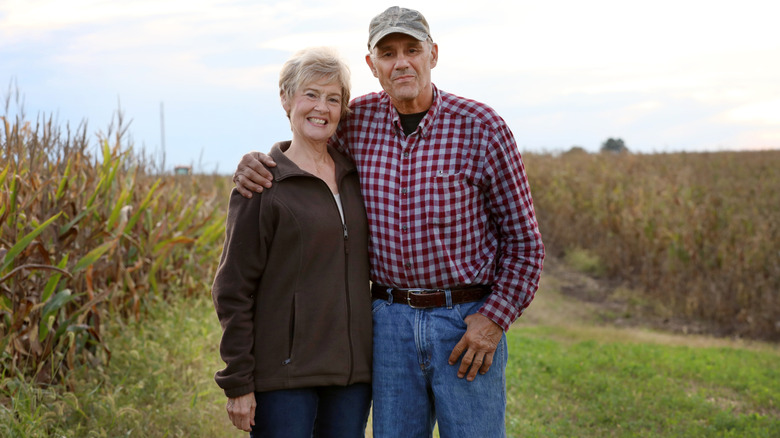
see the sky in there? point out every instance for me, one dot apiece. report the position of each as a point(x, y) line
point(197, 80)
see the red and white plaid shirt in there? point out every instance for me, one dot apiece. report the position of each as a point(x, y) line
point(449, 205)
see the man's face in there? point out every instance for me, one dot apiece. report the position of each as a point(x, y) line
point(403, 66)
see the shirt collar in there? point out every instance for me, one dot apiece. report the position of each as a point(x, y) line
point(426, 124)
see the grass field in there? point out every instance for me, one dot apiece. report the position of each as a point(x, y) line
point(569, 375)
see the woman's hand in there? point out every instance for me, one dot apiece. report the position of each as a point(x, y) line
point(241, 411)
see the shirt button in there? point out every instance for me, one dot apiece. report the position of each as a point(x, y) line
point(407, 265)
point(406, 154)
point(403, 191)
point(404, 228)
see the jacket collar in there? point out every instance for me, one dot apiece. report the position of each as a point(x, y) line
point(286, 168)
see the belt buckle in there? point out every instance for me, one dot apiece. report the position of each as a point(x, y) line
point(418, 292)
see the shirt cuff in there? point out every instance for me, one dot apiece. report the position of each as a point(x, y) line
point(499, 311)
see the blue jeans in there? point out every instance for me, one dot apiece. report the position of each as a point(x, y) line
point(413, 384)
point(323, 412)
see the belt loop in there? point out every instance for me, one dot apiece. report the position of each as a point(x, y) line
point(389, 295)
point(448, 298)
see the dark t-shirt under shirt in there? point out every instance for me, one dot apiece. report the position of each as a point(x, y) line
point(410, 121)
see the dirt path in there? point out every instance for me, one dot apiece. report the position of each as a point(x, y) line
point(599, 309)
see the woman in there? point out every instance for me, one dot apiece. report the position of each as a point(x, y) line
point(292, 288)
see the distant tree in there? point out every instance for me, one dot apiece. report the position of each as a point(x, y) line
point(614, 145)
point(576, 150)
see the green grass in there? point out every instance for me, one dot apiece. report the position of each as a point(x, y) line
point(158, 384)
point(571, 375)
point(561, 387)
point(564, 380)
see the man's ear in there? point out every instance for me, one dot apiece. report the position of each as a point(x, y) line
point(370, 63)
point(434, 55)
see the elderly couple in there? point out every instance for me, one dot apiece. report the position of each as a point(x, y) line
point(394, 249)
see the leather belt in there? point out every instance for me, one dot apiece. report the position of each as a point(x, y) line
point(429, 298)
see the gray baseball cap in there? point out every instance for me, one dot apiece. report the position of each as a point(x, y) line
point(397, 20)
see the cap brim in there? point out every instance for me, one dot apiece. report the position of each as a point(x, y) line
point(422, 36)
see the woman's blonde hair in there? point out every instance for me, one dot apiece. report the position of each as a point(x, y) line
point(312, 64)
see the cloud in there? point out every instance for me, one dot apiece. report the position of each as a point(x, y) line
point(662, 75)
point(766, 112)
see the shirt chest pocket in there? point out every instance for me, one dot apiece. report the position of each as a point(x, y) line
point(450, 199)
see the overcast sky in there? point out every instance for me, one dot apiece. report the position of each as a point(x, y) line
point(664, 75)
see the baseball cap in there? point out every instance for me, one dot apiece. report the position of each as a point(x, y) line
point(397, 20)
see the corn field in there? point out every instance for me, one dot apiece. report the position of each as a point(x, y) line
point(697, 232)
point(89, 234)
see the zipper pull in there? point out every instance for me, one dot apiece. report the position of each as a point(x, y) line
point(346, 239)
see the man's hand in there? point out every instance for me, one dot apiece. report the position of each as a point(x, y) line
point(241, 411)
point(252, 174)
point(479, 344)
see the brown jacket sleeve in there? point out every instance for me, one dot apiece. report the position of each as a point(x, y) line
point(233, 292)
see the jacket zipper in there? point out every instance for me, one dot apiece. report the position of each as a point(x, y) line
point(346, 284)
point(349, 302)
point(346, 277)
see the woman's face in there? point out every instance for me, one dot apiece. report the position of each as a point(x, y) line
point(315, 110)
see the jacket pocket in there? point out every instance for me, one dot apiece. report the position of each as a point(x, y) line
point(291, 328)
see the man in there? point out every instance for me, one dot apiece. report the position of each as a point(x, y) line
point(455, 248)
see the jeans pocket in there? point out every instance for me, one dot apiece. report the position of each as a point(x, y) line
point(377, 305)
point(466, 309)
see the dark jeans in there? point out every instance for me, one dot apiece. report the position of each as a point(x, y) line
point(321, 412)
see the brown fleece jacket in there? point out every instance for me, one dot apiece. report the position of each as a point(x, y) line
point(292, 288)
